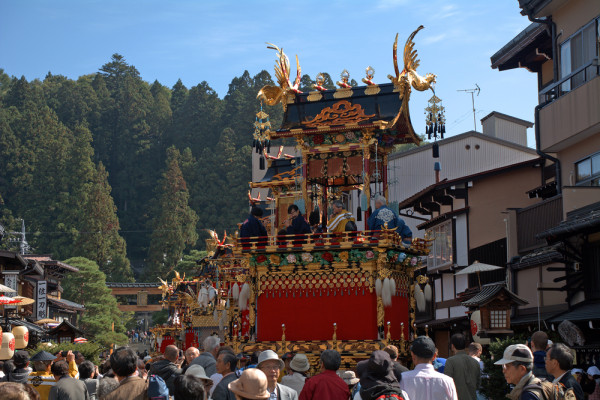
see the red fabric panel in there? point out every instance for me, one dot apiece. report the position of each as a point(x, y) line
point(167, 340)
point(190, 339)
point(355, 165)
point(397, 314)
point(312, 318)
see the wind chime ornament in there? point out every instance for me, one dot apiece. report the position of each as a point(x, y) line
point(435, 121)
point(261, 135)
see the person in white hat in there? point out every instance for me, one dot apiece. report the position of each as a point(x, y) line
point(594, 373)
point(299, 365)
point(198, 372)
point(517, 366)
point(271, 365)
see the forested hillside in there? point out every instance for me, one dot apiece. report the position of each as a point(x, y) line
point(113, 168)
point(116, 169)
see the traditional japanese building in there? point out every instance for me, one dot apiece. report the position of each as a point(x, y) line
point(561, 234)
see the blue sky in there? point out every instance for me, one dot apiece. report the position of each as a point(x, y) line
point(216, 41)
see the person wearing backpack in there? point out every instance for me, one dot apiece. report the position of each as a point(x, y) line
point(131, 387)
point(517, 366)
point(559, 361)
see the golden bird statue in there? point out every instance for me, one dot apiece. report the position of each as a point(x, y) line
point(409, 76)
point(276, 94)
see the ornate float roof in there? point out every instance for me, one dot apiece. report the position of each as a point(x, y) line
point(377, 106)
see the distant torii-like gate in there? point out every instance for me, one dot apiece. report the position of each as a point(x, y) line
point(140, 306)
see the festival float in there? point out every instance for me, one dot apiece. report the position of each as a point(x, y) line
point(351, 291)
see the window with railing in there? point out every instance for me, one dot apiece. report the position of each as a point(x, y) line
point(588, 171)
point(576, 52)
point(440, 254)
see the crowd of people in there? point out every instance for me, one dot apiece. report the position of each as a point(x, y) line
point(340, 221)
point(534, 372)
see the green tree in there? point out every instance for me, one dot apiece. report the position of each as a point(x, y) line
point(189, 263)
point(174, 226)
point(101, 242)
point(88, 287)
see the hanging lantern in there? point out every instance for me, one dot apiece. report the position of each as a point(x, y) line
point(435, 120)
point(262, 131)
point(7, 350)
point(21, 335)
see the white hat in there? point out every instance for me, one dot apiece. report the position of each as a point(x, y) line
point(593, 371)
point(349, 377)
point(516, 352)
point(269, 355)
point(576, 371)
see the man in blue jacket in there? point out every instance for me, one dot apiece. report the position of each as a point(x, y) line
point(252, 227)
point(383, 214)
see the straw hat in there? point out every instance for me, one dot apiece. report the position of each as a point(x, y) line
point(300, 363)
point(252, 384)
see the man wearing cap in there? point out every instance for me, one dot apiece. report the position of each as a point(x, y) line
point(42, 379)
point(517, 366)
point(21, 372)
point(299, 365)
point(327, 384)
point(271, 365)
point(463, 369)
point(559, 361)
point(594, 373)
point(424, 382)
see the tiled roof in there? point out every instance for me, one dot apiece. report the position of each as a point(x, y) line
point(580, 312)
point(488, 292)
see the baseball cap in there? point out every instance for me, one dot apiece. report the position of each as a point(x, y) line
point(593, 371)
point(423, 347)
point(21, 358)
point(516, 352)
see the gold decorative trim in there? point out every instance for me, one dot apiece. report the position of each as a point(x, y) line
point(314, 96)
point(342, 93)
point(372, 90)
point(340, 113)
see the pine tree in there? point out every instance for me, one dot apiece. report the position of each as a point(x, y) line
point(88, 287)
point(102, 242)
point(174, 226)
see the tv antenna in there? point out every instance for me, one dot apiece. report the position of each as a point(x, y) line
point(472, 91)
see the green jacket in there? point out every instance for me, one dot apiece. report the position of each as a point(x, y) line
point(466, 373)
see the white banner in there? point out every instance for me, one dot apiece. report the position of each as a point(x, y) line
point(41, 301)
point(10, 280)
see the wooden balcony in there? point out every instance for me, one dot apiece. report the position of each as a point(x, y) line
point(535, 219)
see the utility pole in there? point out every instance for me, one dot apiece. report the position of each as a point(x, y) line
point(472, 91)
point(23, 245)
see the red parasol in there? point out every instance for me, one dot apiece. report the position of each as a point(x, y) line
point(8, 300)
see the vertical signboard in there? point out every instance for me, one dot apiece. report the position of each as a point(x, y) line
point(41, 303)
point(10, 280)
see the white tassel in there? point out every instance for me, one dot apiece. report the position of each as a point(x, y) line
point(419, 298)
point(244, 296)
point(203, 296)
point(428, 293)
point(221, 322)
point(212, 293)
point(235, 291)
point(393, 286)
point(386, 293)
point(378, 287)
point(216, 315)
